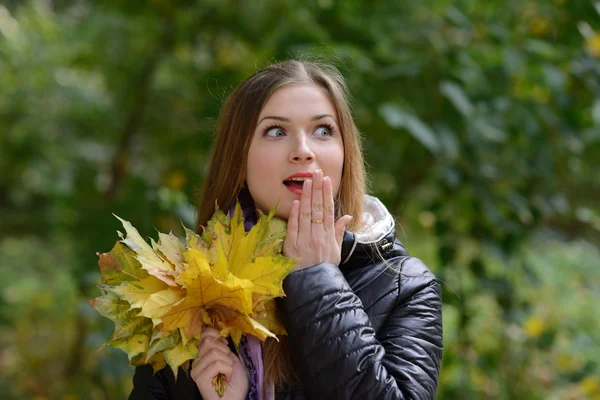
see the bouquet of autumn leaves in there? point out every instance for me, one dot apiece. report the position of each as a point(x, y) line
point(160, 297)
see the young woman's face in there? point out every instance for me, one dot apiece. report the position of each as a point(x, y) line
point(297, 133)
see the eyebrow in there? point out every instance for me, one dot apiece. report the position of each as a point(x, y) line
point(284, 119)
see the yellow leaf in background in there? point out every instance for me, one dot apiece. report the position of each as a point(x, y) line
point(593, 44)
point(158, 303)
point(137, 292)
point(180, 354)
point(150, 261)
point(534, 327)
point(566, 362)
point(176, 179)
point(120, 265)
point(591, 387)
point(540, 26)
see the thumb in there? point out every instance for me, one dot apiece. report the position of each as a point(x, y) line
point(340, 227)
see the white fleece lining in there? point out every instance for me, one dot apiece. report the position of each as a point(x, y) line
point(378, 223)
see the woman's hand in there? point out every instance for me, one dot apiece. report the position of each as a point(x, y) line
point(215, 357)
point(312, 233)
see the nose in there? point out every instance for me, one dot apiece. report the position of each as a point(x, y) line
point(301, 151)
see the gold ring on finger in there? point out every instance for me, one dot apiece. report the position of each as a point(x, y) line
point(317, 221)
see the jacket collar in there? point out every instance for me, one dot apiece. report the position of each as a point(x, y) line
point(376, 239)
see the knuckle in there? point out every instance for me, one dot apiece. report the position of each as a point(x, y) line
point(306, 215)
point(330, 209)
point(318, 206)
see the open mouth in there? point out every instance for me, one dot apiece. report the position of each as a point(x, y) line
point(295, 183)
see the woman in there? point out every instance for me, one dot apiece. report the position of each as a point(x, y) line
point(363, 318)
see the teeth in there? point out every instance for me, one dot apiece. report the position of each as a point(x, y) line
point(299, 179)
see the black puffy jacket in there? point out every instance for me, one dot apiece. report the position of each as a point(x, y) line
point(368, 329)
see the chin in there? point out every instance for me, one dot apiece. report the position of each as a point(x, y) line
point(283, 212)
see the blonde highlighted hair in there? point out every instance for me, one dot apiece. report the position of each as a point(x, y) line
point(227, 172)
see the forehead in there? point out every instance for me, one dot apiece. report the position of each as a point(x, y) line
point(298, 101)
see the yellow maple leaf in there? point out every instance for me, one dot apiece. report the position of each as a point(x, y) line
point(180, 354)
point(593, 44)
point(265, 313)
point(137, 292)
point(171, 250)
point(120, 265)
point(161, 341)
point(158, 303)
point(146, 255)
point(194, 241)
point(134, 345)
point(161, 296)
point(127, 322)
point(205, 292)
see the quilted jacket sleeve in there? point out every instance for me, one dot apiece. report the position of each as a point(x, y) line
point(334, 348)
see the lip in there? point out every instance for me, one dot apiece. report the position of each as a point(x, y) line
point(300, 175)
point(295, 190)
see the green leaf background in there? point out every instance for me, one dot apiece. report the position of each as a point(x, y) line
point(482, 129)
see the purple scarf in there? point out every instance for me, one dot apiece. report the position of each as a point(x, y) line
point(250, 346)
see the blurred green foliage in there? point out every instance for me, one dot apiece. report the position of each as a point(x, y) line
point(482, 135)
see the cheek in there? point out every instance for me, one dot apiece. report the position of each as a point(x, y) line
point(262, 169)
point(257, 162)
point(333, 165)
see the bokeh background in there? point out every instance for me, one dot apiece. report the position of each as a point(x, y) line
point(481, 122)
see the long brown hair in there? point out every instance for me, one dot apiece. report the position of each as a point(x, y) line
point(235, 129)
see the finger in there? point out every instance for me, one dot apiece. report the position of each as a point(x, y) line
point(328, 206)
point(216, 344)
point(292, 227)
point(340, 227)
point(209, 358)
point(207, 331)
point(317, 204)
point(212, 370)
point(305, 212)
point(210, 341)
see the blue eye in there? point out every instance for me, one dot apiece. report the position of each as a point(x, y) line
point(274, 131)
point(324, 130)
